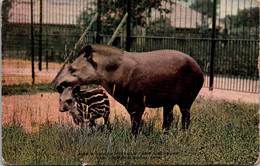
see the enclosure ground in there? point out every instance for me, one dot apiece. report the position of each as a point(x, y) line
point(219, 94)
point(15, 72)
point(32, 109)
point(220, 133)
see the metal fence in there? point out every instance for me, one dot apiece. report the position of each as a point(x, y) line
point(221, 35)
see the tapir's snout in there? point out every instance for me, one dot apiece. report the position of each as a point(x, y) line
point(63, 110)
point(62, 107)
point(66, 79)
point(59, 89)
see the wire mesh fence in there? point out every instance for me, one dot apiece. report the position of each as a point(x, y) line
point(49, 29)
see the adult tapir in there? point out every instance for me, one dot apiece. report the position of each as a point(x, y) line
point(160, 78)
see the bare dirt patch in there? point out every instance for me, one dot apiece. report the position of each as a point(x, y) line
point(11, 63)
point(218, 94)
point(15, 72)
point(32, 110)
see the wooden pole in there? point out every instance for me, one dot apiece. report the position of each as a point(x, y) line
point(77, 45)
point(117, 29)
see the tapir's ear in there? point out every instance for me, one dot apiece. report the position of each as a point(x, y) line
point(89, 55)
point(60, 88)
point(76, 89)
point(88, 52)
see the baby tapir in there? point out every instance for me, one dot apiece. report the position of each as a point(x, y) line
point(85, 106)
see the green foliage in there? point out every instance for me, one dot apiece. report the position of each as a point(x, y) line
point(6, 6)
point(245, 17)
point(31, 89)
point(204, 7)
point(220, 133)
point(161, 27)
point(112, 12)
point(27, 89)
point(232, 57)
point(237, 58)
point(244, 24)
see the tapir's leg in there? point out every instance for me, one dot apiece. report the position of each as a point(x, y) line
point(106, 119)
point(92, 124)
point(185, 112)
point(185, 106)
point(167, 117)
point(136, 111)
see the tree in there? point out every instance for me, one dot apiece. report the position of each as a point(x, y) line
point(204, 7)
point(6, 6)
point(114, 10)
point(245, 23)
point(163, 27)
point(246, 17)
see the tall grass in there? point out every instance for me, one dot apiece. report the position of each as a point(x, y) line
point(220, 133)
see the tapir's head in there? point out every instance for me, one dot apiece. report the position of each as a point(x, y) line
point(81, 71)
point(67, 99)
point(88, 67)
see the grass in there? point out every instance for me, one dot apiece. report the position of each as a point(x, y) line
point(27, 89)
point(220, 133)
point(20, 89)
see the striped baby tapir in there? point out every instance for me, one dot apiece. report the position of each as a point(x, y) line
point(85, 106)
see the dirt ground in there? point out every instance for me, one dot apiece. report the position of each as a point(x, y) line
point(32, 110)
point(219, 94)
point(16, 72)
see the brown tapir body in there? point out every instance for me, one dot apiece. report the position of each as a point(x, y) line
point(160, 78)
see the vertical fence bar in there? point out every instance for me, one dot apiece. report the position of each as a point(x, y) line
point(40, 38)
point(47, 59)
point(213, 45)
point(128, 26)
point(32, 44)
point(99, 10)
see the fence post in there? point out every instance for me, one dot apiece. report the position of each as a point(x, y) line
point(32, 44)
point(47, 59)
point(213, 45)
point(40, 38)
point(128, 26)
